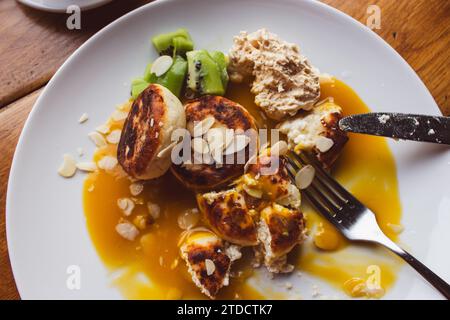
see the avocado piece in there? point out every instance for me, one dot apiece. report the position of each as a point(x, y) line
point(177, 42)
point(173, 79)
point(204, 75)
point(137, 86)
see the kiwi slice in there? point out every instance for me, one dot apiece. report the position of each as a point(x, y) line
point(222, 61)
point(173, 43)
point(204, 74)
point(173, 79)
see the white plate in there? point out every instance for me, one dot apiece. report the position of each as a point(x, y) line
point(45, 222)
point(62, 5)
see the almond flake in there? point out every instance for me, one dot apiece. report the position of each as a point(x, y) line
point(119, 115)
point(188, 219)
point(324, 144)
point(201, 127)
point(126, 205)
point(199, 145)
point(87, 166)
point(107, 163)
point(103, 129)
point(84, 117)
point(304, 177)
point(154, 210)
point(251, 160)
point(238, 143)
point(127, 230)
point(161, 65)
point(280, 148)
point(98, 139)
point(68, 167)
point(167, 150)
point(210, 267)
point(136, 188)
point(114, 137)
point(255, 193)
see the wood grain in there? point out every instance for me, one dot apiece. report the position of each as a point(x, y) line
point(420, 31)
point(12, 119)
point(34, 44)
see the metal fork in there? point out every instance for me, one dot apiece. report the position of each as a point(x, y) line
point(350, 216)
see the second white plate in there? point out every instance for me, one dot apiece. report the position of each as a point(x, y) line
point(62, 5)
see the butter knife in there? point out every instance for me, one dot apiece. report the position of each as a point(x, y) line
point(413, 127)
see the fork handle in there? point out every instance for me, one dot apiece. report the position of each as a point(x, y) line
point(440, 284)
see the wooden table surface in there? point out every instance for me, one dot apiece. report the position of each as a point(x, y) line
point(34, 44)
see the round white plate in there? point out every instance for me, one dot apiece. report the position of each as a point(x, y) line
point(62, 5)
point(45, 222)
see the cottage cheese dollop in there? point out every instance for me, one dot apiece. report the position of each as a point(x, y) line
point(284, 80)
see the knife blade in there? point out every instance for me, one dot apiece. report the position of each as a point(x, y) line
point(413, 127)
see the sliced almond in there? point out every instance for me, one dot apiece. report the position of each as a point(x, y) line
point(127, 230)
point(324, 144)
point(188, 219)
point(201, 127)
point(199, 145)
point(154, 210)
point(107, 163)
point(68, 167)
point(217, 156)
point(98, 139)
point(87, 166)
point(210, 267)
point(255, 193)
point(215, 138)
point(103, 129)
point(136, 188)
point(126, 205)
point(305, 176)
point(161, 65)
point(238, 143)
point(251, 160)
point(84, 117)
point(167, 150)
point(114, 136)
point(279, 149)
point(119, 115)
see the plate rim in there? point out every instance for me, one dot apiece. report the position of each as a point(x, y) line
point(324, 7)
point(46, 8)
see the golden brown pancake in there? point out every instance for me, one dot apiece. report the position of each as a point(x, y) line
point(147, 131)
point(227, 114)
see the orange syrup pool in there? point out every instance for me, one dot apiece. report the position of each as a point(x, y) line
point(150, 266)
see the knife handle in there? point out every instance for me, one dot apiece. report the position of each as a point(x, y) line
point(423, 128)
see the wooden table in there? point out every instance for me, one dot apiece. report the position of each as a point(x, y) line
point(34, 44)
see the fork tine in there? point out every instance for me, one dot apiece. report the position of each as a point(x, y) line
point(291, 169)
point(335, 198)
point(330, 206)
point(339, 190)
point(324, 211)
